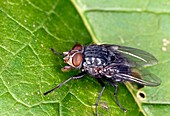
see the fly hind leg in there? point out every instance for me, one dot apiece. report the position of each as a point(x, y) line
point(100, 94)
point(115, 94)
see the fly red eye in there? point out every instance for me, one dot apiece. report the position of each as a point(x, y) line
point(77, 59)
point(77, 47)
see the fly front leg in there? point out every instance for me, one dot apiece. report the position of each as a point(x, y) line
point(114, 84)
point(80, 75)
point(100, 94)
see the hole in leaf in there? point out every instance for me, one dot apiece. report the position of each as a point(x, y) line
point(141, 95)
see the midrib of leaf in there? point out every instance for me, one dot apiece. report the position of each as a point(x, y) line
point(81, 13)
point(129, 87)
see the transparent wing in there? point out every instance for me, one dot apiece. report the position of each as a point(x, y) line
point(136, 57)
point(142, 77)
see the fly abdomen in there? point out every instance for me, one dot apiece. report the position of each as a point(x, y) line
point(123, 69)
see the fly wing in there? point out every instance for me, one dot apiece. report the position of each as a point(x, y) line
point(136, 57)
point(142, 77)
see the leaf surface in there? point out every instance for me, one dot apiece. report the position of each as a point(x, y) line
point(28, 29)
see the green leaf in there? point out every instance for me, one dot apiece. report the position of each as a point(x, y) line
point(29, 28)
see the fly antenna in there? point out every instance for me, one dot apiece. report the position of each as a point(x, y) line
point(55, 52)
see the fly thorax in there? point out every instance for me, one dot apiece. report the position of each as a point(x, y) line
point(92, 61)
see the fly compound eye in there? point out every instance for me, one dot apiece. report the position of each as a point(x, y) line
point(77, 59)
point(77, 47)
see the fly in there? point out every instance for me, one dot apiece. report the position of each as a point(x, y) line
point(110, 64)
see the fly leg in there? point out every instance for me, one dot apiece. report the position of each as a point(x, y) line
point(115, 94)
point(100, 94)
point(80, 75)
